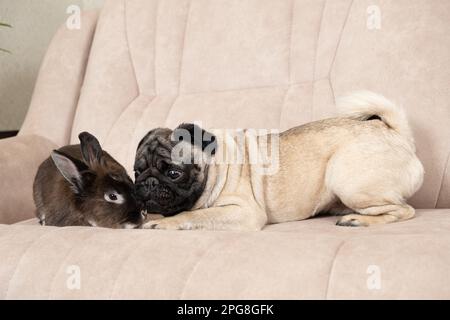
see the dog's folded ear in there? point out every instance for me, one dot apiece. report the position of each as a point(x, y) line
point(198, 137)
point(71, 169)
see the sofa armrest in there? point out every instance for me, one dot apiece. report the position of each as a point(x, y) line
point(55, 97)
point(20, 158)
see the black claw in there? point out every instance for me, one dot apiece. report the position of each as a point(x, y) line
point(349, 223)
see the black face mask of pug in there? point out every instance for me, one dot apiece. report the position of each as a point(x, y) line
point(166, 186)
point(353, 165)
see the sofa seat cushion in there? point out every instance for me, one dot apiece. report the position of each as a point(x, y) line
point(296, 260)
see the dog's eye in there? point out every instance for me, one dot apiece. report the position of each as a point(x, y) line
point(174, 174)
point(114, 197)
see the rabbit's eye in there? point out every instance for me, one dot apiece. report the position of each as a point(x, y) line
point(114, 197)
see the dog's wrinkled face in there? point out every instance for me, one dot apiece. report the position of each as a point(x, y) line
point(168, 184)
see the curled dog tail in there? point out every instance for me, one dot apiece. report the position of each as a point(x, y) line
point(366, 105)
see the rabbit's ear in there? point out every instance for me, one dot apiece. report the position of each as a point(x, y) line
point(90, 148)
point(70, 169)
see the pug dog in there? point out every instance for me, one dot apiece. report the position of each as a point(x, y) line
point(360, 165)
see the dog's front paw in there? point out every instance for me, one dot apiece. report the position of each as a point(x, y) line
point(168, 224)
point(161, 224)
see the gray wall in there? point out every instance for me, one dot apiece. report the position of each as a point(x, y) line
point(34, 23)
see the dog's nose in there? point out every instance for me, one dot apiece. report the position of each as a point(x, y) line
point(144, 188)
point(152, 183)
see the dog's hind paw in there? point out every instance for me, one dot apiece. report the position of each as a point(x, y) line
point(351, 220)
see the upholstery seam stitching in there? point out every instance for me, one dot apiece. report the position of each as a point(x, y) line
point(332, 90)
point(291, 31)
point(183, 45)
point(444, 174)
point(283, 106)
point(154, 47)
point(82, 80)
point(133, 69)
point(127, 41)
point(318, 38)
point(169, 111)
point(315, 60)
point(253, 88)
point(344, 25)
point(120, 116)
point(289, 64)
point(139, 121)
point(338, 249)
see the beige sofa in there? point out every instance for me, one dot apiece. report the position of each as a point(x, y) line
point(232, 64)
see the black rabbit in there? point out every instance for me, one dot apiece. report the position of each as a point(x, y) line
point(82, 185)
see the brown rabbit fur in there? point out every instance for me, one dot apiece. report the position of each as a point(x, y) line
point(82, 185)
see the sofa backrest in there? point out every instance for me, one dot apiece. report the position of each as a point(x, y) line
point(267, 64)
